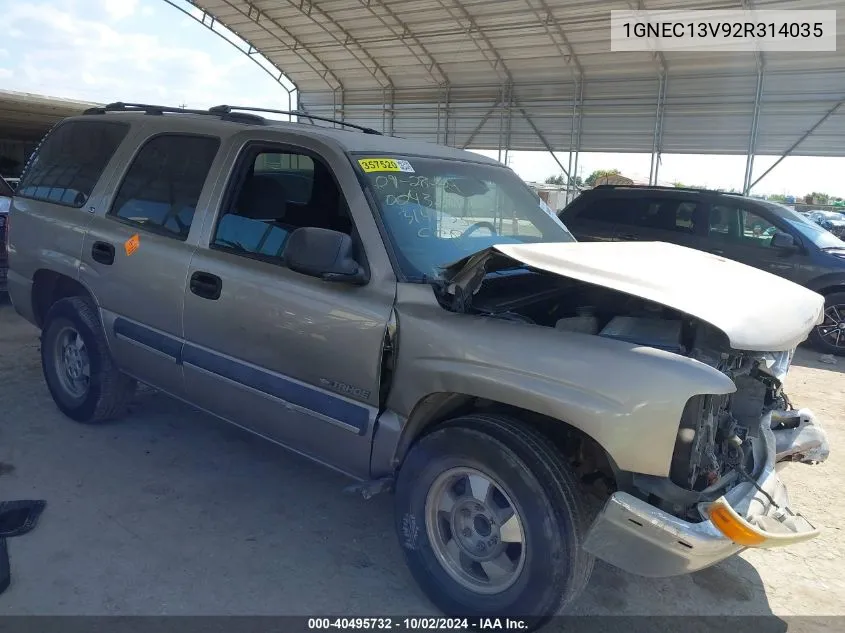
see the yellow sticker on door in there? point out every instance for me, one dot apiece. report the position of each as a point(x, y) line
point(131, 245)
point(370, 165)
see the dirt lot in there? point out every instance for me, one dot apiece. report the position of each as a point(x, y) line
point(173, 512)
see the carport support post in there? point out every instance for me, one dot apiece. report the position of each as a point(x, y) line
point(446, 115)
point(752, 137)
point(658, 130)
point(508, 121)
point(574, 139)
point(388, 109)
point(337, 104)
point(502, 106)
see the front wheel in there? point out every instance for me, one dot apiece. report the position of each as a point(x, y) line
point(491, 521)
point(829, 337)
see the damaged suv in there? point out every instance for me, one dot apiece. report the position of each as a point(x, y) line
point(416, 317)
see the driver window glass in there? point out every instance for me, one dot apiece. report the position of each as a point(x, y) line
point(756, 231)
point(273, 194)
point(740, 227)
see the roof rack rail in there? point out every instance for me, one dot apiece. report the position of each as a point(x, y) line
point(146, 108)
point(227, 109)
point(660, 187)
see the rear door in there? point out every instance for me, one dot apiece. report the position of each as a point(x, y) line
point(136, 254)
point(663, 219)
point(65, 181)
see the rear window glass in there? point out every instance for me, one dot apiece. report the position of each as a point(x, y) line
point(70, 161)
point(162, 186)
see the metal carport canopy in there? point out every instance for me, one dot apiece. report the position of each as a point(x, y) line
point(539, 75)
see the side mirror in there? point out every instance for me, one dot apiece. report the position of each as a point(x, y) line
point(325, 254)
point(783, 241)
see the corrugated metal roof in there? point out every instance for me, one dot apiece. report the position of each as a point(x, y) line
point(490, 73)
point(27, 117)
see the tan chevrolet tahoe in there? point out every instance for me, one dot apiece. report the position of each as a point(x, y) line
point(417, 318)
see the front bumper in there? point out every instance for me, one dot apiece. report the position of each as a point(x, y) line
point(633, 535)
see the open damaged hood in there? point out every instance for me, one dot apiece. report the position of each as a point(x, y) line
point(757, 311)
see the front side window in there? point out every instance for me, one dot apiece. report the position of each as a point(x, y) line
point(162, 187)
point(437, 211)
point(294, 171)
point(274, 194)
point(756, 231)
point(740, 227)
point(70, 161)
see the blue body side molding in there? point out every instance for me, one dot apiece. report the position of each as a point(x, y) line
point(265, 381)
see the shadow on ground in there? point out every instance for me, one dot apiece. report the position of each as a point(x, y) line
point(173, 511)
point(806, 356)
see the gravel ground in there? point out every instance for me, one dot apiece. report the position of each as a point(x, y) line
point(174, 512)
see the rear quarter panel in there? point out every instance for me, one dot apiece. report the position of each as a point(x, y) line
point(42, 235)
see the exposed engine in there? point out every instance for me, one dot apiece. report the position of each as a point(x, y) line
point(713, 450)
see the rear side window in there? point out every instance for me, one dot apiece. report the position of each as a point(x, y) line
point(610, 210)
point(668, 215)
point(70, 161)
point(5, 189)
point(162, 187)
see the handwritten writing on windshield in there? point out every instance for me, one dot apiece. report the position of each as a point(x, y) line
point(415, 195)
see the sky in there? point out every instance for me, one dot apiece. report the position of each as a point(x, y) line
point(148, 51)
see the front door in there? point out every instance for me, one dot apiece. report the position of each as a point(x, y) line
point(135, 255)
point(289, 356)
point(741, 234)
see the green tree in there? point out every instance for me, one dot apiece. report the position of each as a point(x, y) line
point(560, 179)
point(600, 173)
point(819, 198)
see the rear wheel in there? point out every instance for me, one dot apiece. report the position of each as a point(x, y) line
point(829, 337)
point(80, 373)
point(491, 520)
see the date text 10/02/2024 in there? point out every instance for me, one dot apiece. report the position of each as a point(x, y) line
point(417, 624)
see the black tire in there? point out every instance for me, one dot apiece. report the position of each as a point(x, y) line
point(543, 491)
point(109, 391)
point(821, 343)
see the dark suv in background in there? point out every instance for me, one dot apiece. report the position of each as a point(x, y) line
point(6, 194)
point(756, 232)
